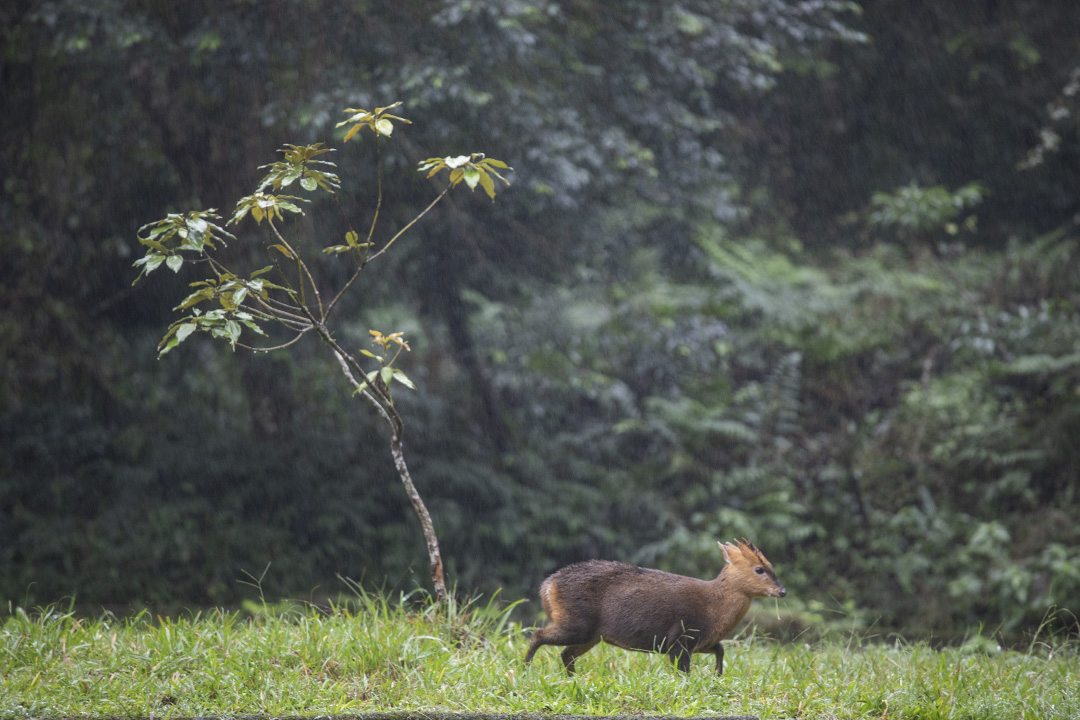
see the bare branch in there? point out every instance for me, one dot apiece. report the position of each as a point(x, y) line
point(303, 266)
point(299, 335)
point(378, 200)
point(412, 222)
point(345, 288)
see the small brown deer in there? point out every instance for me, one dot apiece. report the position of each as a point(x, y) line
point(650, 610)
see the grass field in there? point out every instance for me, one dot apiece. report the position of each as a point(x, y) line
point(380, 656)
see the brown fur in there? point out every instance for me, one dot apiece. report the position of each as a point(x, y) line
point(650, 610)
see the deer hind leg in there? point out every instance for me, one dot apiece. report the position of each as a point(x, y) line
point(573, 652)
point(534, 644)
point(556, 635)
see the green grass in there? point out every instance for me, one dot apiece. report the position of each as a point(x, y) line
point(381, 656)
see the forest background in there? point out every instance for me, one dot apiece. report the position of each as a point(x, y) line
point(804, 272)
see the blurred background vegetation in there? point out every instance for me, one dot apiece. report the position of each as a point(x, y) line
point(801, 271)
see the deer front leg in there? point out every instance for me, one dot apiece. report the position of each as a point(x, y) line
point(718, 651)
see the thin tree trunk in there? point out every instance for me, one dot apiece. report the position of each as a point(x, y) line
point(434, 555)
point(393, 420)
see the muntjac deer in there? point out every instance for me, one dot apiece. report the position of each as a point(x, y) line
point(650, 610)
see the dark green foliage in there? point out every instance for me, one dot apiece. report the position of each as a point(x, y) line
point(754, 277)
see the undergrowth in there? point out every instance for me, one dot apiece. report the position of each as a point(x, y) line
point(379, 655)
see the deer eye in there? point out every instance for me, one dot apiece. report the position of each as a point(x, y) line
point(759, 570)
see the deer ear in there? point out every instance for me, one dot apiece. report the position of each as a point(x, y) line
point(724, 549)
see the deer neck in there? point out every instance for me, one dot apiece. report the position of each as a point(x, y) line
point(730, 602)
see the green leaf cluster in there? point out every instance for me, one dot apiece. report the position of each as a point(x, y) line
point(299, 163)
point(218, 323)
point(263, 205)
point(224, 322)
point(387, 373)
point(918, 210)
point(380, 121)
point(475, 169)
point(167, 238)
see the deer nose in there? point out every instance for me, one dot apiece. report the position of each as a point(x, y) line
point(783, 591)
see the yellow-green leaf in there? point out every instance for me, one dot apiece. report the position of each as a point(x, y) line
point(154, 244)
point(352, 131)
point(232, 330)
point(183, 331)
point(403, 379)
point(195, 298)
point(488, 183)
point(472, 176)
